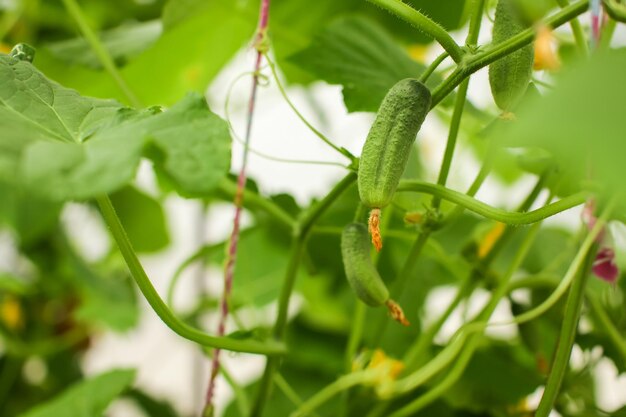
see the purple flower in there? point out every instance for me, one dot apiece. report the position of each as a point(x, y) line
point(604, 266)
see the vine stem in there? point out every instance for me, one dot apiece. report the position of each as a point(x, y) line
point(317, 133)
point(231, 257)
point(302, 230)
point(432, 67)
point(577, 30)
point(423, 23)
point(459, 105)
point(444, 357)
point(566, 339)
point(453, 133)
point(111, 219)
point(491, 53)
point(493, 213)
point(573, 309)
point(458, 346)
point(101, 52)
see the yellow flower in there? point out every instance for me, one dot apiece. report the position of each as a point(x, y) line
point(490, 239)
point(417, 52)
point(390, 368)
point(545, 56)
point(11, 313)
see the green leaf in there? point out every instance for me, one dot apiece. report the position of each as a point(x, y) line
point(89, 398)
point(184, 58)
point(28, 216)
point(97, 144)
point(101, 287)
point(143, 219)
point(261, 263)
point(151, 406)
point(123, 42)
point(358, 54)
point(581, 121)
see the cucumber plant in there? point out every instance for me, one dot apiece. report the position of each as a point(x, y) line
point(107, 87)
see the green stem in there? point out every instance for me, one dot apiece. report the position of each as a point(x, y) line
point(103, 55)
point(493, 213)
point(607, 34)
point(606, 325)
point(241, 398)
point(566, 339)
point(255, 201)
point(401, 280)
point(411, 382)
point(414, 254)
point(444, 357)
point(485, 169)
point(423, 23)
point(358, 321)
point(341, 384)
point(42, 347)
point(312, 215)
point(317, 133)
point(433, 66)
point(356, 333)
point(476, 20)
point(418, 350)
point(577, 30)
point(459, 105)
point(492, 53)
point(571, 274)
point(453, 133)
point(615, 9)
point(289, 392)
point(110, 217)
point(301, 233)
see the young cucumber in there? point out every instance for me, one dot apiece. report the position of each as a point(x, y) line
point(388, 144)
point(361, 272)
point(509, 76)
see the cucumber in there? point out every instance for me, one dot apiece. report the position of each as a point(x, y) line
point(509, 76)
point(388, 144)
point(361, 272)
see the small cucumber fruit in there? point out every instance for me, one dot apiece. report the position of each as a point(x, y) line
point(510, 75)
point(388, 144)
point(361, 272)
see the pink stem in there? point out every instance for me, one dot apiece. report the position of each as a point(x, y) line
point(229, 268)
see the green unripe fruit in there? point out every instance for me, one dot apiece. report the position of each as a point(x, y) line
point(509, 76)
point(388, 144)
point(362, 274)
point(360, 271)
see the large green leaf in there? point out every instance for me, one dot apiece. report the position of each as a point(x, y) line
point(89, 398)
point(97, 144)
point(143, 219)
point(260, 268)
point(581, 121)
point(358, 54)
point(123, 42)
point(185, 58)
point(29, 217)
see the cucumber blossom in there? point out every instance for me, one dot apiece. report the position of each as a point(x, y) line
point(361, 272)
point(388, 144)
point(509, 76)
